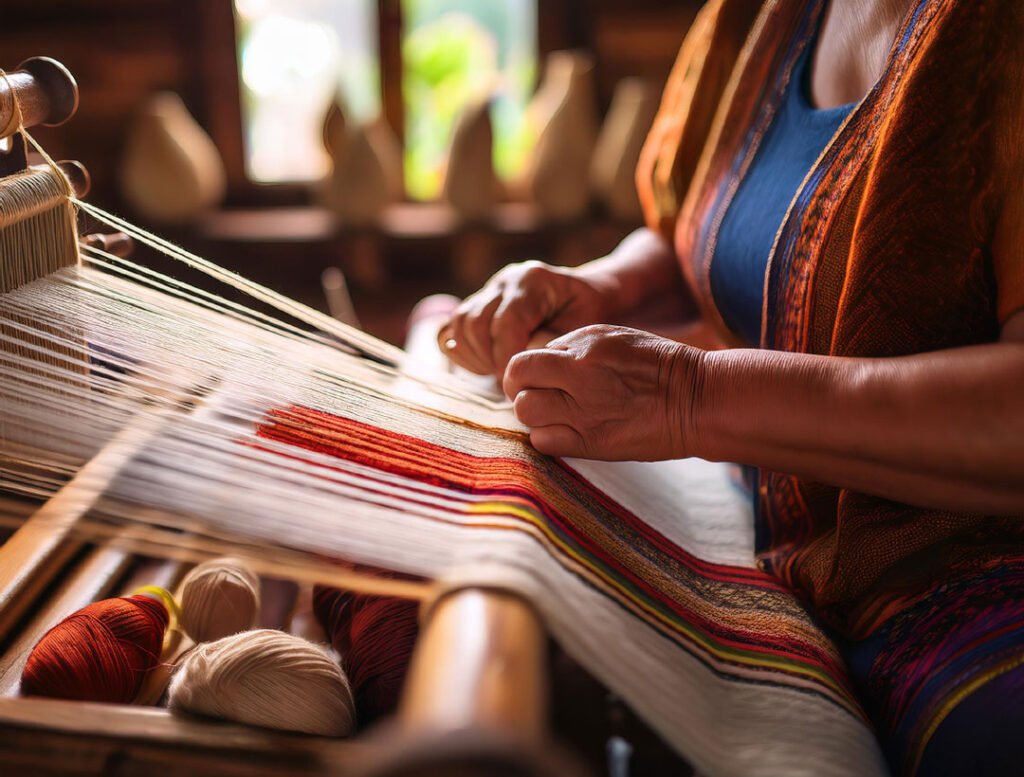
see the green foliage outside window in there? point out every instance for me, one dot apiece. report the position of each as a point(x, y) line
point(456, 52)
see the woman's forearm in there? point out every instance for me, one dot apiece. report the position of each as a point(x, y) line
point(643, 270)
point(942, 430)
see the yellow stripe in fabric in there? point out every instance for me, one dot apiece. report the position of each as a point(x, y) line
point(748, 658)
point(958, 696)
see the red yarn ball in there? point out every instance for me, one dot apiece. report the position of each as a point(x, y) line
point(103, 652)
point(375, 636)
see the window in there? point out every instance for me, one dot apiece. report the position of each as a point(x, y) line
point(297, 56)
point(454, 52)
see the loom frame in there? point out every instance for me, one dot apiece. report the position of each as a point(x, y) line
point(476, 693)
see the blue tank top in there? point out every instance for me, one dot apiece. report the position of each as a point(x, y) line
point(796, 137)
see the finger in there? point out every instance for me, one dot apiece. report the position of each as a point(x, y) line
point(455, 347)
point(516, 318)
point(477, 329)
point(543, 407)
point(461, 343)
point(540, 369)
point(558, 440)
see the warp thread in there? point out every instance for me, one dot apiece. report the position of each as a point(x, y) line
point(102, 652)
point(375, 637)
point(219, 598)
point(266, 678)
point(37, 227)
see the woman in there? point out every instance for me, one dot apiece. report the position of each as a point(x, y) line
point(838, 188)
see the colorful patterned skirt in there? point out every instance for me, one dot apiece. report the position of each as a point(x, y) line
point(943, 680)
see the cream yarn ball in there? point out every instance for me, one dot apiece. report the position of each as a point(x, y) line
point(266, 678)
point(218, 598)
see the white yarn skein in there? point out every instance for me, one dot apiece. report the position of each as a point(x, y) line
point(266, 678)
point(218, 598)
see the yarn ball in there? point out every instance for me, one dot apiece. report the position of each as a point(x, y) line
point(266, 678)
point(375, 637)
point(218, 598)
point(102, 652)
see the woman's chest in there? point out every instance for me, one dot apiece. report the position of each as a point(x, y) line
point(853, 47)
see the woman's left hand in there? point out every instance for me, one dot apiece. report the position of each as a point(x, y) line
point(606, 392)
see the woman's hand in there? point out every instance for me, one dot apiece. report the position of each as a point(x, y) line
point(609, 393)
point(520, 301)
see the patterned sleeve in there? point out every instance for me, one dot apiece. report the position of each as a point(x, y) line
point(692, 93)
point(1008, 244)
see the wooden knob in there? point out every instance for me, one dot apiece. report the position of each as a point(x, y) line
point(116, 243)
point(77, 175)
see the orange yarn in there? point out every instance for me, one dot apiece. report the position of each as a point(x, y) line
point(103, 652)
point(375, 637)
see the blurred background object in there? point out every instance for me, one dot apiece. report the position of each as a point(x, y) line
point(171, 172)
point(612, 169)
point(274, 84)
point(562, 130)
point(293, 58)
point(471, 186)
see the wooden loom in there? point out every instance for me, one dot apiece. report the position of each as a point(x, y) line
point(474, 701)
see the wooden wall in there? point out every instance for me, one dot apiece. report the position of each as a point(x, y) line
point(120, 51)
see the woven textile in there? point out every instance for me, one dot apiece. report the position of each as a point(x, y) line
point(627, 593)
point(284, 447)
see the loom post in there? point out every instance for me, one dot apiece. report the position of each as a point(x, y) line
point(475, 698)
point(479, 663)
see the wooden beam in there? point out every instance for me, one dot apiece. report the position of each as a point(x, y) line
point(390, 44)
point(37, 551)
point(50, 736)
point(215, 81)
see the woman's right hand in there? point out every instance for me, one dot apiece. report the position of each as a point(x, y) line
point(519, 302)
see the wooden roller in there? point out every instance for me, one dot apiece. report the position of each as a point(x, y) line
point(44, 90)
point(479, 663)
point(40, 91)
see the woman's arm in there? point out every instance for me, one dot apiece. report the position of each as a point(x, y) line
point(942, 429)
point(642, 269)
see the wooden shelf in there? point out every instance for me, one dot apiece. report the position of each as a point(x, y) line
point(403, 221)
point(269, 225)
